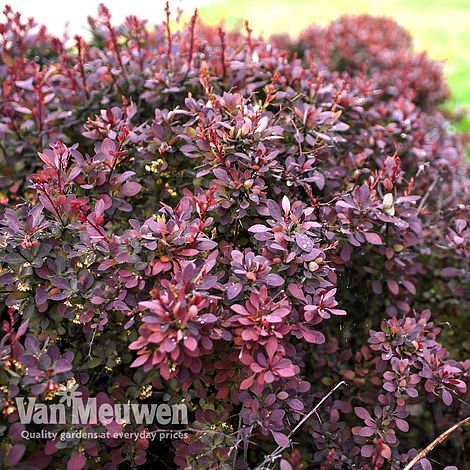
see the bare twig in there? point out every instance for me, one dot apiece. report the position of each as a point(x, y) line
point(426, 195)
point(237, 443)
point(439, 439)
point(277, 453)
point(90, 346)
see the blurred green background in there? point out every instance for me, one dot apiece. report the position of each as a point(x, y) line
point(441, 27)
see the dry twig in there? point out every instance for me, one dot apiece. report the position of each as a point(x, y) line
point(441, 438)
point(277, 453)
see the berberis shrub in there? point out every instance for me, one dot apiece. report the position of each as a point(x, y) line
point(202, 217)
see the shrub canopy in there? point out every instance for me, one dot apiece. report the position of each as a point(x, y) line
point(206, 217)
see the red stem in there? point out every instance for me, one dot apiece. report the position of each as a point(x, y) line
point(191, 39)
point(222, 58)
point(168, 32)
point(78, 41)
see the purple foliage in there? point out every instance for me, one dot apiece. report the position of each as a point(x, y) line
point(202, 216)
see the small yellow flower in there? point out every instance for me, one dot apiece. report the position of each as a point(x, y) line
point(153, 166)
point(8, 410)
point(51, 394)
point(159, 217)
point(145, 392)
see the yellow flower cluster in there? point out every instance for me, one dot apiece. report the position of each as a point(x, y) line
point(153, 166)
point(145, 392)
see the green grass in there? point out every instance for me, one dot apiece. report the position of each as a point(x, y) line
point(441, 27)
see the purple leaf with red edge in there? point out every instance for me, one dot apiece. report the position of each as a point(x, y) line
point(313, 336)
point(130, 188)
point(285, 465)
point(77, 462)
point(281, 439)
point(274, 280)
point(362, 413)
point(373, 238)
point(402, 425)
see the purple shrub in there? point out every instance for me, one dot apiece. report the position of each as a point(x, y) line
point(200, 216)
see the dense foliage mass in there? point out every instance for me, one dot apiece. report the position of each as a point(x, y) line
point(196, 216)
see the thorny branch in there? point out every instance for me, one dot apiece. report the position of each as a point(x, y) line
point(277, 453)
